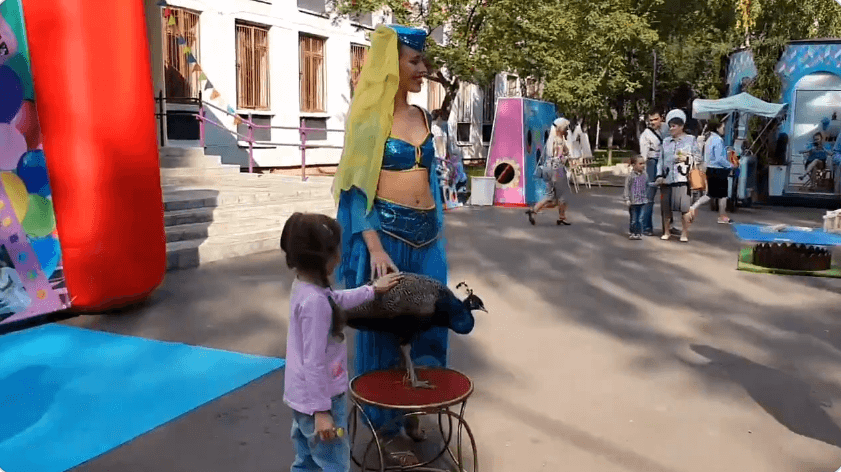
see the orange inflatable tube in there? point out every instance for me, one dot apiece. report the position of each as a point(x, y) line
point(92, 78)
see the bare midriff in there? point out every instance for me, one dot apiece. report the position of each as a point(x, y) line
point(408, 188)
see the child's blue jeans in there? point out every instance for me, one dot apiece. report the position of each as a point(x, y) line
point(311, 453)
point(636, 212)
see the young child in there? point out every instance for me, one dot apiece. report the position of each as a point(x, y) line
point(636, 187)
point(316, 376)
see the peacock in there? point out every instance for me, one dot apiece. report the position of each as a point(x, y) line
point(416, 304)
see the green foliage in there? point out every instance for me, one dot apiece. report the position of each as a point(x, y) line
point(775, 23)
point(595, 57)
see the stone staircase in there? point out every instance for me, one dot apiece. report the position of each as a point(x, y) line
point(213, 211)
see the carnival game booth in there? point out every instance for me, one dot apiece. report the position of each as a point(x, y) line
point(81, 212)
point(743, 180)
point(520, 130)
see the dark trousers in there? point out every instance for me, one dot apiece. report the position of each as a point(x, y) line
point(636, 212)
point(648, 208)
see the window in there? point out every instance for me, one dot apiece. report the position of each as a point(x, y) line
point(357, 59)
point(260, 134)
point(532, 88)
point(252, 66)
point(315, 6)
point(312, 74)
point(488, 108)
point(367, 19)
point(511, 90)
point(464, 115)
point(181, 82)
point(435, 95)
point(316, 124)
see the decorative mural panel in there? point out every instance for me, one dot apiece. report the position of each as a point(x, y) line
point(741, 67)
point(31, 269)
point(521, 128)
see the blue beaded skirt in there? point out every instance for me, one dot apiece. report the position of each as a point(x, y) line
point(412, 239)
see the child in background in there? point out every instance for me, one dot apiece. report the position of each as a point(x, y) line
point(636, 187)
point(316, 376)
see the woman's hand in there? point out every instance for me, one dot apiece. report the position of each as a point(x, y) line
point(325, 429)
point(381, 264)
point(387, 282)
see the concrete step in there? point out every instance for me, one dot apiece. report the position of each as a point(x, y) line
point(186, 254)
point(244, 212)
point(199, 198)
point(210, 172)
point(181, 151)
point(192, 253)
point(212, 228)
point(170, 162)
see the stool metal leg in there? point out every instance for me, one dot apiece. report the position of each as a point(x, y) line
point(463, 426)
point(374, 441)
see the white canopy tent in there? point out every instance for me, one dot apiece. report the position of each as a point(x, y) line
point(741, 103)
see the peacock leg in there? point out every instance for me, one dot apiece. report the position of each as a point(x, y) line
point(410, 368)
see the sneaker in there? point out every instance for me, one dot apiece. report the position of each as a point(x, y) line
point(632, 236)
point(638, 237)
point(666, 237)
point(674, 231)
point(648, 233)
point(684, 238)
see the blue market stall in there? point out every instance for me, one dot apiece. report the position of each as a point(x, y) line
point(810, 75)
point(743, 181)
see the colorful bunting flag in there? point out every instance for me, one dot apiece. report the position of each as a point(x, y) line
point(215, 96)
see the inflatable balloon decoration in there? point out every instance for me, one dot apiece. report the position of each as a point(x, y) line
point(8, 42)
point(11, 97)
point(27, 220)
point(12, 146)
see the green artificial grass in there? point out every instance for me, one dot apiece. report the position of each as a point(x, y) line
point(746, 264)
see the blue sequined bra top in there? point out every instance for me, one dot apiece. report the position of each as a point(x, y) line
point(400, 155)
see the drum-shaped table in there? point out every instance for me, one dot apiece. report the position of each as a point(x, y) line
point(388, 389)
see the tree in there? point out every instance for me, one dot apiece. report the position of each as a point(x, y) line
point(768, 25)
point(469, 53)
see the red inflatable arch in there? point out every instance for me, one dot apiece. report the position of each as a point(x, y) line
point(92, 77)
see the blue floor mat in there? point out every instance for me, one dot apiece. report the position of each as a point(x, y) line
point(69, 394)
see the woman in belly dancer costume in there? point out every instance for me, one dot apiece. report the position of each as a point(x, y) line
point(390, 205)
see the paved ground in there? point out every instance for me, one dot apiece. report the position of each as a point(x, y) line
point(599, 353)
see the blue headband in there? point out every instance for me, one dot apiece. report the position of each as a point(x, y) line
point(413, 37)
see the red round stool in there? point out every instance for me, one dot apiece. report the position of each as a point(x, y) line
point(388, 389)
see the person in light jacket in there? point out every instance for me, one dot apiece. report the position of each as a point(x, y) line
point(651, 140)
point(678, 153)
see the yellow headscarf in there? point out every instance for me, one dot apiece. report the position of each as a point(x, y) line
point(371, 117)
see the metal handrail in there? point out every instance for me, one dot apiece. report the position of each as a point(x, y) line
point(202, 118)
point(302, 130)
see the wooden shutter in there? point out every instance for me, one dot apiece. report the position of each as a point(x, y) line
point(180, 80)
point(312, 74)
point(252, 67)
